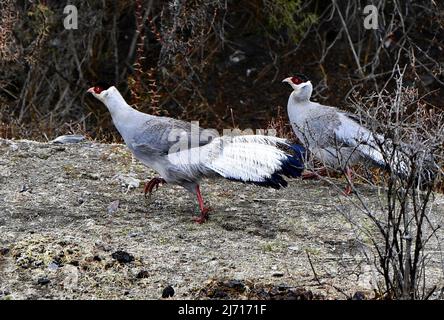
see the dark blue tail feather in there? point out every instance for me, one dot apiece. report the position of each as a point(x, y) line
point(294, 166)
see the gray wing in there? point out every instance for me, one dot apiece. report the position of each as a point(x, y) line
point(331, 127)
point(334, 132)
point(320, 128)
point(336, 129)
point(159, 135)
point(356, 118)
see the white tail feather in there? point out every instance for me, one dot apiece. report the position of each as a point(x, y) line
point(245, 158)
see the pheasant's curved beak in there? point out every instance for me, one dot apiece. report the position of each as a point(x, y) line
point(287, 80)
point(90, 90)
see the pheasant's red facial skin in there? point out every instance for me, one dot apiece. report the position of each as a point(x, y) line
point(296, 80)
point(97, 89)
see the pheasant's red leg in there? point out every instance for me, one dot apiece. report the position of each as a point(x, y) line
point(203, 210)
point(154, 182)
point(314, 174)
point(348, 189)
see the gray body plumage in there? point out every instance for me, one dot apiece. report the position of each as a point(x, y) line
point(331, 136)
point(338, 141)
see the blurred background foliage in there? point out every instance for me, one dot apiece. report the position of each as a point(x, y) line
point(218, 61)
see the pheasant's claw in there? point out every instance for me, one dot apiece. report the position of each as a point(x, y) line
point(316, 174)
point(204, 215)
point(149, 185)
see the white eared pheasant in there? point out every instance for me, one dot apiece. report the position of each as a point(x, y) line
point(157, 143)
point(340, 142)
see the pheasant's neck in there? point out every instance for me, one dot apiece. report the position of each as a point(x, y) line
point(298, 109)
point(123, 116)
point(299, 98)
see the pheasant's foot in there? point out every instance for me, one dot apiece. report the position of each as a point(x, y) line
point(204, 215)
point(153, 183)
point(316, 174)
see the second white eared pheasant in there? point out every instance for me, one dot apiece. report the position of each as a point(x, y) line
point(257, 159)
point(340, 142)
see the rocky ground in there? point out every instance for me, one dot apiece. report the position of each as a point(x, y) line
point(74, 224)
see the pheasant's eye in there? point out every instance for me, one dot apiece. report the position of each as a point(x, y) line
point(296, 80)
point(98, 89)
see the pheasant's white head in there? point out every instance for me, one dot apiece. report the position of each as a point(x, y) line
point(101, 92)
point(301, 85)
point(110, 97)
